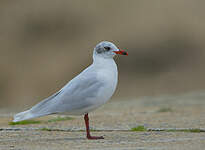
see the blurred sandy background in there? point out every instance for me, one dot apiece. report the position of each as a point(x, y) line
point(45, 43)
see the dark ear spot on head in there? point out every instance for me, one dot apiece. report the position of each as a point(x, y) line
point(99, 49)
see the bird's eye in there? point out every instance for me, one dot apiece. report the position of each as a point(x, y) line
point(107, 48)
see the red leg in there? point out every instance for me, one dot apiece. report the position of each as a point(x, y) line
point(86, 118)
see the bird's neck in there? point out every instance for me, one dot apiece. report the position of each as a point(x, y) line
point(103, 61)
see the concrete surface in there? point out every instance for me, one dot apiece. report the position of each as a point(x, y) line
point(114, 121)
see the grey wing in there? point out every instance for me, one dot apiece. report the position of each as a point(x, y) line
point(40, 108)
point(77, 95)
point(80, 96)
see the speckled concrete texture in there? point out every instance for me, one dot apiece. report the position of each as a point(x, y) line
point(114, 121)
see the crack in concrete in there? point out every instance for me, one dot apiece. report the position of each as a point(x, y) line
point(109, 130)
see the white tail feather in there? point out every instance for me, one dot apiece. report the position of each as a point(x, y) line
point(23, 116)
point(40, 109)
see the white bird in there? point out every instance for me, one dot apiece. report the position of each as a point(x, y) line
point(87, 91)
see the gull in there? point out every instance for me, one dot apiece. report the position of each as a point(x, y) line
point(92, 88)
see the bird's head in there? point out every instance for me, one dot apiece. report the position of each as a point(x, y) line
point(107, 50)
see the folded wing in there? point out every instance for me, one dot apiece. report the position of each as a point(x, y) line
point(74, 98)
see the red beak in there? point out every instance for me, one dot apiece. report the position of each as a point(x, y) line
point(121, 52)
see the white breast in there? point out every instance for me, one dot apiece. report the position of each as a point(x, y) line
point(108, 75)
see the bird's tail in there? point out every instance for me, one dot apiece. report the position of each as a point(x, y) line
point(41, 109)
point(23, 116)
